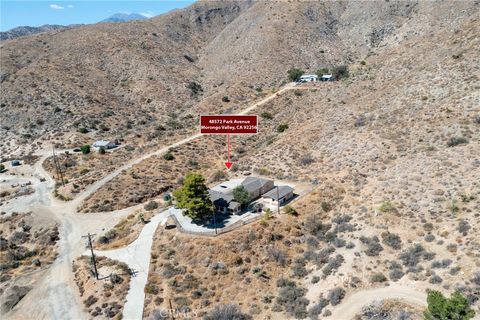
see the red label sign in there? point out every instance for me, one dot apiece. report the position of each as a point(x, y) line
point(232, 124)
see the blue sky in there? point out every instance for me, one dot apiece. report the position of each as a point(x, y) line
point(16, 13)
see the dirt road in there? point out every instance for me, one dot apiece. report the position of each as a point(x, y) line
point(54, 296)
point(352, 304)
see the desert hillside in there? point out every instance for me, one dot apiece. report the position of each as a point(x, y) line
point(388, 156)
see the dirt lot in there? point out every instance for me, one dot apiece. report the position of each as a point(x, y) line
point(28, 247)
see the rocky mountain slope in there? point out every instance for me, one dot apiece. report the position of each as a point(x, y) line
point(26, 31)
point(129, 79)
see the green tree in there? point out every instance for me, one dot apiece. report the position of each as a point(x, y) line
point(294, 74)
point(2, 167)
point(320, 72)
point(193, 197)
point(241, 195)
point(441, 308)
point(85, 149)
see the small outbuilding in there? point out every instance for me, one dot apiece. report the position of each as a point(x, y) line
point(280, 195)
point(309, 78)
point(15, 163)
point(326, 77)
point(105, 144)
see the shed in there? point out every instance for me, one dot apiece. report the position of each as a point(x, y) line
point(326, 77)
point(309, 78)
point(282, 195)
point(105, 144)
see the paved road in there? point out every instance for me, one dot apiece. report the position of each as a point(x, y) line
point(54, 296)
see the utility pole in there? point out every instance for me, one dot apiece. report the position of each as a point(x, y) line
point(57, 167)
point(171, 309)
point(89, 236)
point(278, 202)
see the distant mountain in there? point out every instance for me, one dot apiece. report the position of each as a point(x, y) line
point(123, 17)
point(26, 30)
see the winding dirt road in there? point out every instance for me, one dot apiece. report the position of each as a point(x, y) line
point(54, 296)
point(353, 304)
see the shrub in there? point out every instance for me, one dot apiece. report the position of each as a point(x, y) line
point(476, 278)
point(440, 307)
point(294, 74)
point(277, 255)
point(332, 265)
point(435, 279)
point(378, 277)
point(315, 279)
point(282, 127)
point(336, 295)
point(392, 240)
point(386, 206)
point(266, 115)
point(290, 210)
point(321, 71)
point(225, 99)
point(152, 205)
point(412, 256)
point(477, 119)
point(85, 149)
point(101, 151)
point(340, 72)
point(306, 159)
point(455, 141)
point(316, 310)
point(396, 274)
point(168, 156)
point(463, 227)
point(373, 245)
point(326, 206)
point(195, 88)
point(291, 298)
point(227, 312)
point(429, 237)
point(83, 130)
point(360, 121)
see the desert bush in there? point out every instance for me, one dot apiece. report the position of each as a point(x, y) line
point(378, 277)
point(291, 298)
point(373, 245)
point(90, 301)
point(83, 130)
point(360, 121)
point(306, 159)
point(340, 72)
point(332, 265)
point(396, 273)
point(386, 206)
point(429, 237)
point(277, 255)
point(194, 87)
point(392, 240)
point(313, 225)
point(315, 279)
point(336, 295)
point(152, 205)
point(266, 115)
point(294, 74)
point(282, 127)
point(339, 242)
point(317, 308)
point(455, 141)
point(225, 99)
point(435, 279)
point(414, 254)
point(227, 312)
point(441, 263)
point(463, 227)
point(290, 210)
point(168, 156)
point(477, 119)
point(453, 271)
point(326, 206)
point(476, 278)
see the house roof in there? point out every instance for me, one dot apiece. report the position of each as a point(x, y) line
point(327, 76)
point(309, 76)
point(220, 198)
point(101, 143)
point(282, 192)
point(253, 183)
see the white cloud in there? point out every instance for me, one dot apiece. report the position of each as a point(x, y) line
point(147, 14)
point(70, 6)
point(56, 7)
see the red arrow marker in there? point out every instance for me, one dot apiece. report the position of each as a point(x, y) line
point(228, 164)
